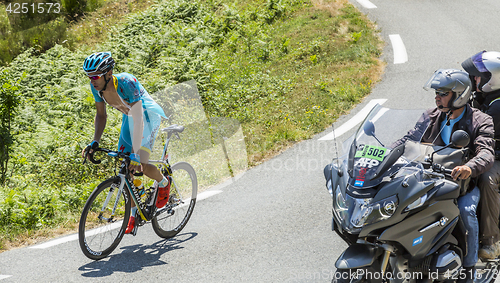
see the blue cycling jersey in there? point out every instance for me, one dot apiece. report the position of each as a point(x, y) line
point(130, 90)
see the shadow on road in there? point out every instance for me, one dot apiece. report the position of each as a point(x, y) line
point(135, 258)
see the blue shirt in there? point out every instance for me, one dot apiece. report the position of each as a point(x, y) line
point(130, 90)
point(446, 132)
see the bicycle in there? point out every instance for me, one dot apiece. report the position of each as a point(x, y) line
point(106, 213)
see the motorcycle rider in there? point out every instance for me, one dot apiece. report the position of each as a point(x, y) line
point(453, 90)
point(484, 71)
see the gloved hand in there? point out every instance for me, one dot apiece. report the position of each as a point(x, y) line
point(85, 152)
point(135, 160)
point(92, 145)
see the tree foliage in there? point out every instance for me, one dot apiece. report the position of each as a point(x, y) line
point(9, 102)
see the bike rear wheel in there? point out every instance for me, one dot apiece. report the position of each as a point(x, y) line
point(183, 191)
point(101, 230)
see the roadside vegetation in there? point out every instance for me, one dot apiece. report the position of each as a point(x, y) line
point(284, 69)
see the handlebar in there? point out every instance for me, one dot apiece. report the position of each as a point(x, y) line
point(440, 169)
point(108, 151)
point(116, 154)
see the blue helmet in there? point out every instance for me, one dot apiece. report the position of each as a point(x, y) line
point(98, 62)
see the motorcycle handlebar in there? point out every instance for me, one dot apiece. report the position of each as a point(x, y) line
point(440, 169)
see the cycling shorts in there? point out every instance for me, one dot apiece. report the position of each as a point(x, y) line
point(151, 122)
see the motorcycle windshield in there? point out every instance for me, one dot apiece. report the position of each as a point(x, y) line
point(371, 154)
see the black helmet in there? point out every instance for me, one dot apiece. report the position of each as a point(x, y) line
point(485, 64)
point(453, 80)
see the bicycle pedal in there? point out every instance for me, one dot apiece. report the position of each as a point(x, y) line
point(140, 223)
point(134, 231)
point(172, 199)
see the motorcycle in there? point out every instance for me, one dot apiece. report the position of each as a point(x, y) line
point(395, 204)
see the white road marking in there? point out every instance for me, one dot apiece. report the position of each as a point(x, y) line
point(4, 276)
point(358, 118)
point(207, 194)
point(367, 4)
point(116, 225)
point(56, 242)
point(398, 48)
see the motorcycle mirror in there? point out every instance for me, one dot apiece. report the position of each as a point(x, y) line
point(369, 128)
point(460, 138)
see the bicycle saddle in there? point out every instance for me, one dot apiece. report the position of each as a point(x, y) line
point(173, 129)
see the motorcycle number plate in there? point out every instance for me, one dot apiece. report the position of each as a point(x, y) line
point(371, 152)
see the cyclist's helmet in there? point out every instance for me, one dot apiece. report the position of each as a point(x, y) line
point(100, 62)
point(457, 81)
point(485, 64)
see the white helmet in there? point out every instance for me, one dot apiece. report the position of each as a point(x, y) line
point(457, 81)
point(485, 64)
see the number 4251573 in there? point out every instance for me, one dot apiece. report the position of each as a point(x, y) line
point(35, 8)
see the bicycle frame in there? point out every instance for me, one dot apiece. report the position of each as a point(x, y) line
point(133, 193)
point(164, 155)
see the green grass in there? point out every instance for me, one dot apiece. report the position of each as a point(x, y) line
point(284, 70)
point(297, 77)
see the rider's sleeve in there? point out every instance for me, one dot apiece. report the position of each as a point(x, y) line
point(494, 112)
point(129, 87)
point(483, 146)
point(95, 93)
point(416, 133)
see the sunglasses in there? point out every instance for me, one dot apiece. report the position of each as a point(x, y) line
point(96, 77)
point(442, 93)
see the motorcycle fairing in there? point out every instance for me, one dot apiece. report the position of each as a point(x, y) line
point(407, 231)
point(357, 256)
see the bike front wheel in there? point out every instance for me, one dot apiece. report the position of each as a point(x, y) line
point(183, 191)
point(104, 219)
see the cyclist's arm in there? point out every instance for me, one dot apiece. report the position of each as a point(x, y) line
point(100, 120)
point(136, 113)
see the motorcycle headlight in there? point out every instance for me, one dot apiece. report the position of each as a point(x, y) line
point(339, 204)
point(366, 212)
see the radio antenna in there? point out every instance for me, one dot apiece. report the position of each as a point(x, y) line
point(335, 141)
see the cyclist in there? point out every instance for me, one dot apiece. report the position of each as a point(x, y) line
point(140, 121)
point(484, 71)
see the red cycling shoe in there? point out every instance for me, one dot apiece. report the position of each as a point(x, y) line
point(163, 194)
point(131, 225)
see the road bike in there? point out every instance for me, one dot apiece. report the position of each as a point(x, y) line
point(106, 213)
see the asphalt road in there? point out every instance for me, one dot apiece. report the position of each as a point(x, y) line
point(273, 223)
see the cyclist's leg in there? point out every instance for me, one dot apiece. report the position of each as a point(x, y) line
point(152, 123)
point(125, 140)
point(149, 169)
point(125, 145)
point(151, 127)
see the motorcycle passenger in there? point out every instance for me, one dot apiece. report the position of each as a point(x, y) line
point(484, 71)
point(140, 121)
point(453, 90)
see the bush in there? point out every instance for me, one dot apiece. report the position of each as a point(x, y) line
point(9, 101)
